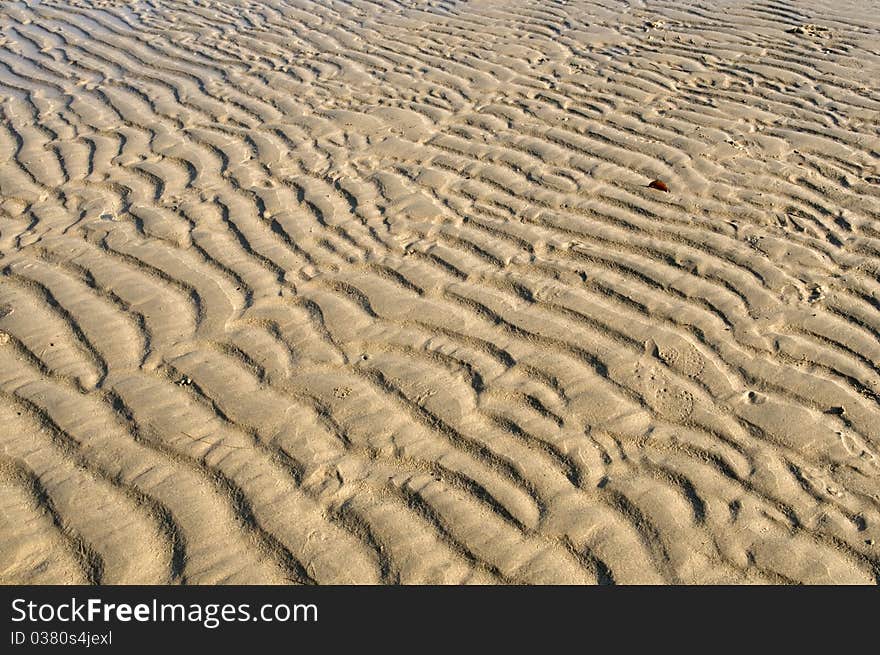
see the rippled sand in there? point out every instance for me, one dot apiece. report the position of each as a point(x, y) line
point(377, 291)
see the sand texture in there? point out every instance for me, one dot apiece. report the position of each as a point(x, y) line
point(378, 291)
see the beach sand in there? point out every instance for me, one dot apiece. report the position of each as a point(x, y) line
point(379, 292)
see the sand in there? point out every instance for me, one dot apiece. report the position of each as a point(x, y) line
point(378, 292)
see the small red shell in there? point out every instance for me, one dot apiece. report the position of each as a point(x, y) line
point(660, 186)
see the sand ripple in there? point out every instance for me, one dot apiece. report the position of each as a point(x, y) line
point(377, 291)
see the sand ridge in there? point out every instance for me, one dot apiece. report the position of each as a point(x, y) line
point(377, 291)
